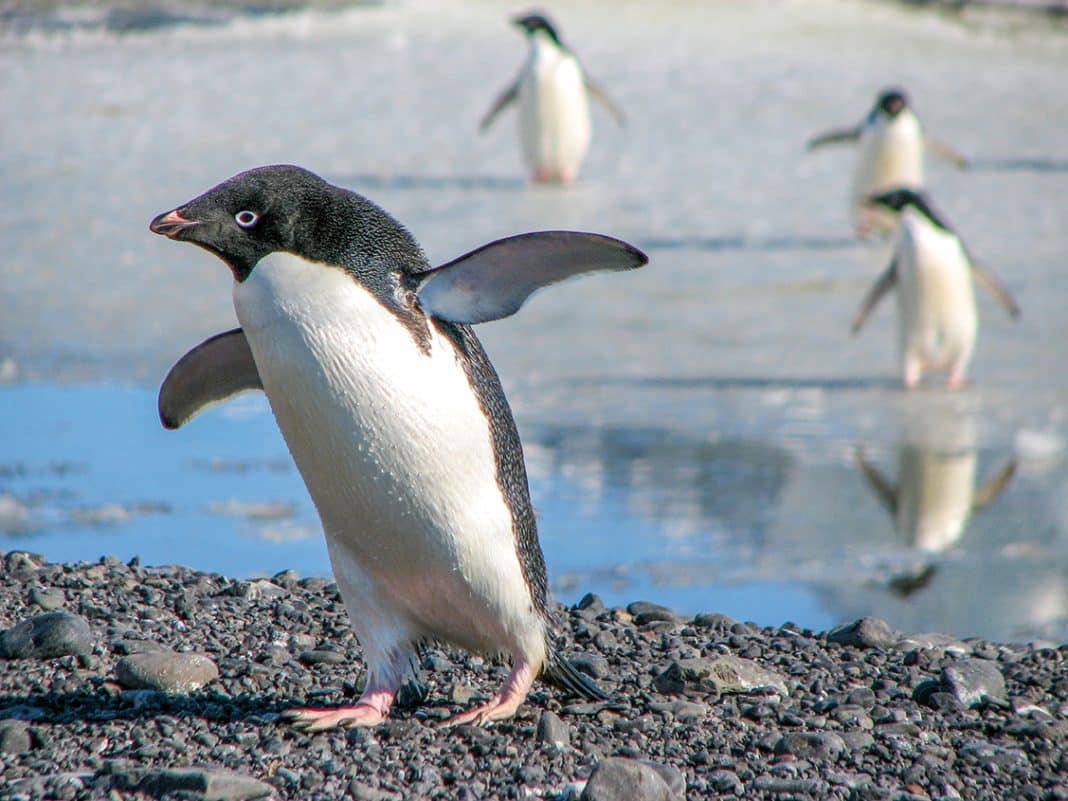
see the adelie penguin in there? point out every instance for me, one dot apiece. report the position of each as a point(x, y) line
point(934, 275)
point(891, 155)
point(393, 414)
point(552, 92)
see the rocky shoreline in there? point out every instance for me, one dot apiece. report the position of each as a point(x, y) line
point(121, 681)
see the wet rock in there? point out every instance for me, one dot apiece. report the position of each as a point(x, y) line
point(553, 731)
point(47, 636)
point(867, 632)
point(209, 784)
point(621, 779)
point(164, 671)
point(975, 683)
point(717, 675)
point(933, 641)
point(15, 737)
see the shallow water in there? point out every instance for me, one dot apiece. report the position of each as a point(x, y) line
point(694, 431)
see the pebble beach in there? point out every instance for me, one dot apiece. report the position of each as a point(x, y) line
point(122, 681)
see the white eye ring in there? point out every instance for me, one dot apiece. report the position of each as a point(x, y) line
point(246, 219)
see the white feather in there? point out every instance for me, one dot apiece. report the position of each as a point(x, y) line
point(936, 296)
point(397, 456)
point(890, 157)
point(554, 114)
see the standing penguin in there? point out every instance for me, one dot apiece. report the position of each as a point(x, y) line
point(554, 114)
point(393, 415)
point(891, 156)
point(933, 273)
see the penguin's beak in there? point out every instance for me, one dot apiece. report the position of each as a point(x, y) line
point(171, 224)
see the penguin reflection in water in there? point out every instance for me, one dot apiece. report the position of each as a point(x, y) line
point(552, 93)
point(393, 414)
point(933, 273)
point(891, 144)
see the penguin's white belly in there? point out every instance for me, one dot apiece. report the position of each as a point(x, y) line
point(936, 297)
point(554, 115)
point(397, 455)
point(891, 156)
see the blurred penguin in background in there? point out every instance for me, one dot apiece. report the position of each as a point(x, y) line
point(552, 92)
point(891, 156)
point(934, 276)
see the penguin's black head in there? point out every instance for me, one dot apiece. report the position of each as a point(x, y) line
point(902, 197)
point(534, 22)
point(891, 102)
point(251, 215)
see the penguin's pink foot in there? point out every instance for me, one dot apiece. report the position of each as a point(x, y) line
point(505, 703)
point(313, 720)
point(956, 381)
point(370, 710)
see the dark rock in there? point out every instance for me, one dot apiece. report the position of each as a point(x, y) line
point(322, 656)
point(591, 602)
point(620, 779)
point(553, 731)
point(15, 737)
point(593, 665)
point(726, 782)
point(47, 636)
point(167, 672)
point(867, 632)
point(644, 612)
point(713, 620)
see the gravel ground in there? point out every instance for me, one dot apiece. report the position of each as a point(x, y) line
point(120, 681)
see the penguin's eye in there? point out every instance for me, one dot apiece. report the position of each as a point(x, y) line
point(246, 219)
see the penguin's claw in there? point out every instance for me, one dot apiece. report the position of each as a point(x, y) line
point(505, 703)
point(313, 720)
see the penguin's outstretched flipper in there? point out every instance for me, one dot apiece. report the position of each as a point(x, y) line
point(503, 100)
point(496, 279)
point(214, 370)
point(882, 285)
point(835, 137)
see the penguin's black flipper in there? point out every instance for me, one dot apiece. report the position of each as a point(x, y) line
point(834, 137)
point(882, 285)
point(506, 97)
point(214, 370)
point(495, 280)
point(558, 672)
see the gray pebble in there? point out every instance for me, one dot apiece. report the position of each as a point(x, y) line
point(167, 672)
point(553, 731)
point(811, 745)
point(867, 632)
point(15, 737)
point(975, 682)
point(48, 599)
point(593, 665)
point(211, 784)
point(47, 636)
point(621, 779)
point(322, 656)
point(726, 782)
point(719, 674)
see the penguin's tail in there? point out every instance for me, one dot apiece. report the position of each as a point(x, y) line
point(559, 672)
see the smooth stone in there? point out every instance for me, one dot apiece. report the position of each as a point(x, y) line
point(867, 632)
point(211, 784)
point(811, 745)
point(718, 674)
point(322, 656)
point(713, 620)
point(593, 665)
point(591, 602)
point(975, 683)
point(47, 636)
point(726, 782)
point(933, 641)
point(259, 590)
point(167, 672)
point(645, 612)
point(15, 737)
point(48, 599)
point(622, 779)
point(682, 711)
point(553, 731)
